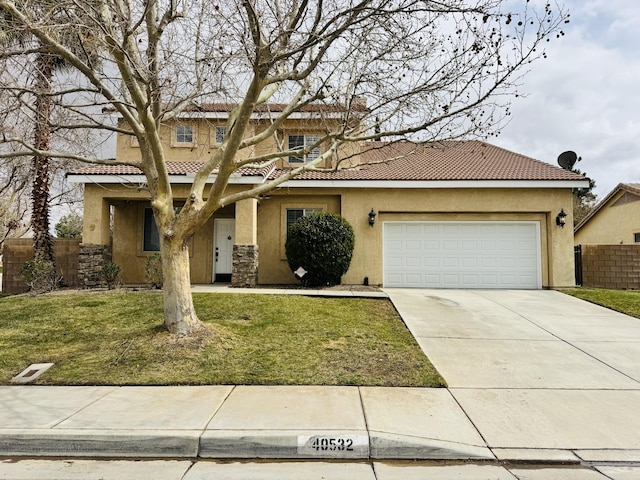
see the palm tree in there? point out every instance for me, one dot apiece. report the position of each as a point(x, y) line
point(44, 66)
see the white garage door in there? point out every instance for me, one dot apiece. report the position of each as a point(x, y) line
point(461, 254)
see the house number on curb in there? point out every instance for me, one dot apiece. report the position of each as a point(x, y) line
point(330, 445)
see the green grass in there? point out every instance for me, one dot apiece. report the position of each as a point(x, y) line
point(625, 301)
point(117, 339)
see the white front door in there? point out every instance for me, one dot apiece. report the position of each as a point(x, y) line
point(225, 231)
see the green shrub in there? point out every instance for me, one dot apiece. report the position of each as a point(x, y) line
point(322, 244)
point(153, 271)
point(40, 275)
point(110, 274)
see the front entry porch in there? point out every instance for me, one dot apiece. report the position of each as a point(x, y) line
point(224, 250)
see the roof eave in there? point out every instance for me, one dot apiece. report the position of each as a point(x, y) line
point(328, 183)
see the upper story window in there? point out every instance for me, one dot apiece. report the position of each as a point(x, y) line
point(217, 135)
point(220, 133)
point(636, 237)
point(185, 135)
point(301, 142)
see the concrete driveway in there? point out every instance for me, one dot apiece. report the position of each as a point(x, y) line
point(534, 369)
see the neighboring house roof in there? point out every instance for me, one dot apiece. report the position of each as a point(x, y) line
point(471, 160)
point(633, 188)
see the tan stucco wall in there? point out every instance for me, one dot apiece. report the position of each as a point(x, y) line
point(612, 225)
point(127, 148)
point(273, 267)
point(539, 205)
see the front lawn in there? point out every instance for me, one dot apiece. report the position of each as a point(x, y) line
point(625, 301)
point(116, 338)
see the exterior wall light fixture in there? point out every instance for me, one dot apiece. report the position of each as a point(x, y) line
point(561, 218)
point(372, 217)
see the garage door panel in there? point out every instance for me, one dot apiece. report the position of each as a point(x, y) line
point(393, 245)
point(489, 282)
point(431, 261)
point(462, 254)
point(414, 262)
point(489, 262)
point(450, 280)
point(468, 281)
point(413, 245)
point(469, 262)
point(471, 245)
point(413, 229)
point(450, 261)
point(395, 261)
point(394, 229)
point(431, 279)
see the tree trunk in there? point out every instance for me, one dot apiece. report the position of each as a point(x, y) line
point(179, 314)
point(42, 240)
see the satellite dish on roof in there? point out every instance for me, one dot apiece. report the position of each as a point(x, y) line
point(568, 159)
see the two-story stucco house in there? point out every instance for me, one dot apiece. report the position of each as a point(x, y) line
point(459, 214)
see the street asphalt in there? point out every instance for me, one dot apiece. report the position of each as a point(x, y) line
point(540, 385)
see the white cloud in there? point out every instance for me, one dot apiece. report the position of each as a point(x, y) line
point(584, 96)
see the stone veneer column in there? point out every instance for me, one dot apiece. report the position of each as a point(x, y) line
point(92, 258)
point(244, 272)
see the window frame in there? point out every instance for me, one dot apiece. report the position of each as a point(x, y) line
point(152, 228)
point(176, 135)
point(214, 135)
point(284, 208)
point(308, 139)
point(305, 213)
point(636, 237)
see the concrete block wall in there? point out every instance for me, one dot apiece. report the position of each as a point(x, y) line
point(17, 251)
point(611, 266)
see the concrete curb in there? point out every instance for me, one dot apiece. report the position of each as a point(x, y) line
point(96, 443)
point(246, 444)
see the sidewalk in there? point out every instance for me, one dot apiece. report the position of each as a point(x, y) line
point(528, 385)
point(236, 422)
point(361, 430)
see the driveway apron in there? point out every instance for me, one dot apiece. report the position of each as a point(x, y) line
point(534, 369)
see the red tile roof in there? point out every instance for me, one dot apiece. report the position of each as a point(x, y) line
point(454, 160)
point(174, 168)
point(404, 161)
point(277, 107)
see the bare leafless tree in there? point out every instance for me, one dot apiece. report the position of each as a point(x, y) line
point(428, 70)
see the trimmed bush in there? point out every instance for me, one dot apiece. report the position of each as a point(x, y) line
point(40, 275)
point(322, 244)
point(110, 274)
point(153, 271)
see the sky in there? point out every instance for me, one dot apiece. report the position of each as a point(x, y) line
point(585, 96)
